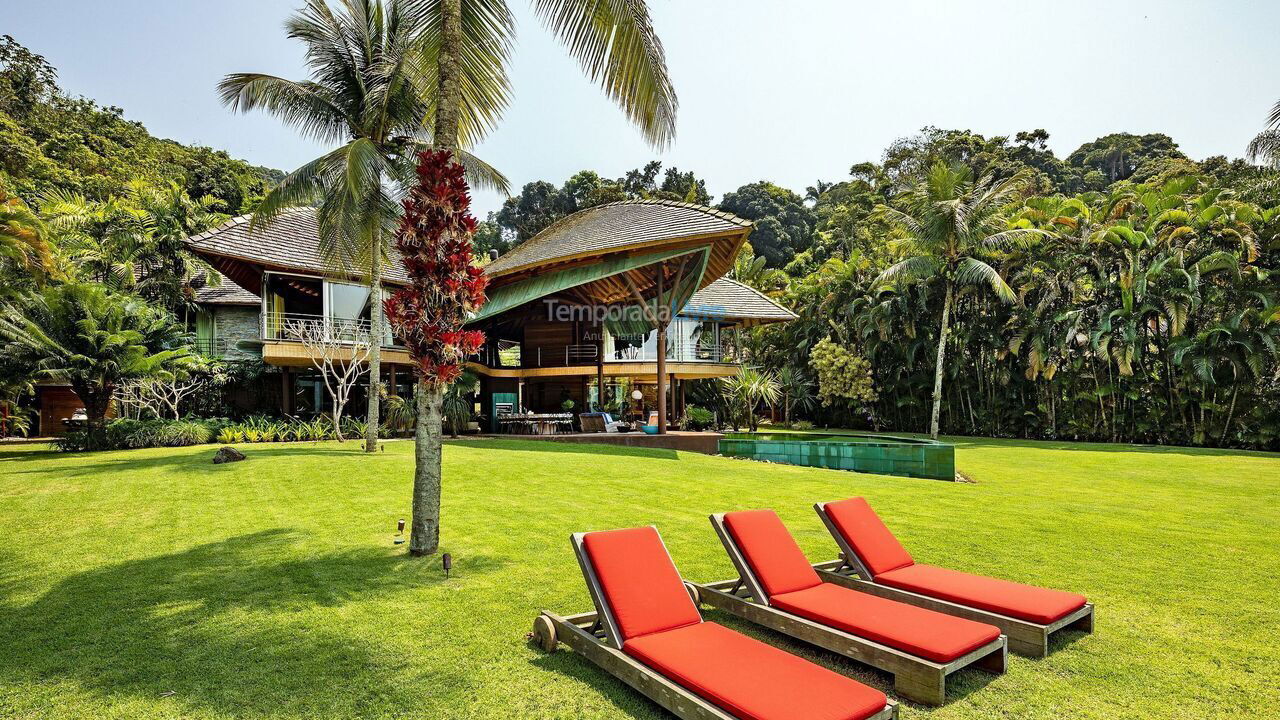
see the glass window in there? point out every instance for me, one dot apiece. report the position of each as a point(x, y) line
point(349, 310)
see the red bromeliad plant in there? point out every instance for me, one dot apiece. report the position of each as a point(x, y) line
point(428, 315)
point(434, 239)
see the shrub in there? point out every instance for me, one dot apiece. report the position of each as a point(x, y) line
point(230, 435)
point(802, 425)
point(131, 434)
point(843, 375)
point(352, 428)
point(699, 418)
point(181, 433)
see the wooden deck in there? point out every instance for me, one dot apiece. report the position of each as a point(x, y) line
point(707, 443)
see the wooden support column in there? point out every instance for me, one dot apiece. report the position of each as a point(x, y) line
point(662, 351)
point(600, 366)
point(286, 393)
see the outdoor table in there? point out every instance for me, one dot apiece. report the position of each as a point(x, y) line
point(535, 423)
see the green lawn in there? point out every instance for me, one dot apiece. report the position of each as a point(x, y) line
point(152, 584)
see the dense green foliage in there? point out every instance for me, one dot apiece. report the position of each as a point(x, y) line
point(271, 588)
point(93, 339)
point(51, 141)
point(540, 203)
point(1147, 312)
point(1126, 292)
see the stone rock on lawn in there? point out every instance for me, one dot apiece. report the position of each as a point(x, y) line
point(227, 455)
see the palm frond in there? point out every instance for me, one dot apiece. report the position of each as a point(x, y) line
point(303, 105)
point(615, 43)
point(972, 271)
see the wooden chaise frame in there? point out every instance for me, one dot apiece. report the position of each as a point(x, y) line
point(914, 678)
point(1026, 638)
point(594, 635)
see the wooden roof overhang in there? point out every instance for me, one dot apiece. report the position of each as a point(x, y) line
point(612, 255)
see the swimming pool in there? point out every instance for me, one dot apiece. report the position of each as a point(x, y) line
point(882, 454)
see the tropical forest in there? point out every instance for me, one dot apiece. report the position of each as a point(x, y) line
point(959, 283)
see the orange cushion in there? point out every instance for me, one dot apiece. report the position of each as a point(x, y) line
point(640, 583)
point(924, 633)
point(770, 551)
point(752, 680)
point(1024, 602)
point(878, 549)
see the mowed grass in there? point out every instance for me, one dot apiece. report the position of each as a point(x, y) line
point(152, 584)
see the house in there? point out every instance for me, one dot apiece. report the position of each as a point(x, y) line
point(577, 308)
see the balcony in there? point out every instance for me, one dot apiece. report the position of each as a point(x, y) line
point(294, 327)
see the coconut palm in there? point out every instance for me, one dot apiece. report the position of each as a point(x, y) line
point(613, 41)
point(465, 54)
point(371, 91)
point(946, 221)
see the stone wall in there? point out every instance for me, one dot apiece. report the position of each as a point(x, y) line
point(234, 323)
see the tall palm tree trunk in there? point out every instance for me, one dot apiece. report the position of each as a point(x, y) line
point(942, 356)
point(1235, 388)
point(424, 536)
point(373, 416)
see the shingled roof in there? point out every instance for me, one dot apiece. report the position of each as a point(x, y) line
point(614, 227)
point(226, 293)
point(731, 300)
point(290, 242)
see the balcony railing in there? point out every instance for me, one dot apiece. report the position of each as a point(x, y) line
point(294, 327)
point(211, 347)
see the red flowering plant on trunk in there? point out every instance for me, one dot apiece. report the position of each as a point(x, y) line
point(434, 239)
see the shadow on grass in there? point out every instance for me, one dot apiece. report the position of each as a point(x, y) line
point(557, 446)
point(624, 698)
point(201, 458)
point(959, 685)
point(223, 626)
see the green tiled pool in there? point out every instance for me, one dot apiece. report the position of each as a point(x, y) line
point(882, 454)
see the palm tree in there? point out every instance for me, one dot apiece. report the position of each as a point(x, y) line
point(947, 220)
point(468, 48)
point(796, 392)
point(1266, 144)
point(25, 256)
point(746, 389)
point(457, 406)
point(466, 53)
point(371, 92)
point(93, 339)
point(136, 242)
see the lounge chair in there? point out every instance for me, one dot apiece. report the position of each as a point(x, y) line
point(648, 633)
point(919, 647)
point(874, 562)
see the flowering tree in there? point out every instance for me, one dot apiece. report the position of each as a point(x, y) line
point(434, 239)
point(340, 354)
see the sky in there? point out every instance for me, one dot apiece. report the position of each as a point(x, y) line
point(792, 92)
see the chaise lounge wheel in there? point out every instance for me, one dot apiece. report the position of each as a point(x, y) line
point(545, 633)
point(694, 595)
